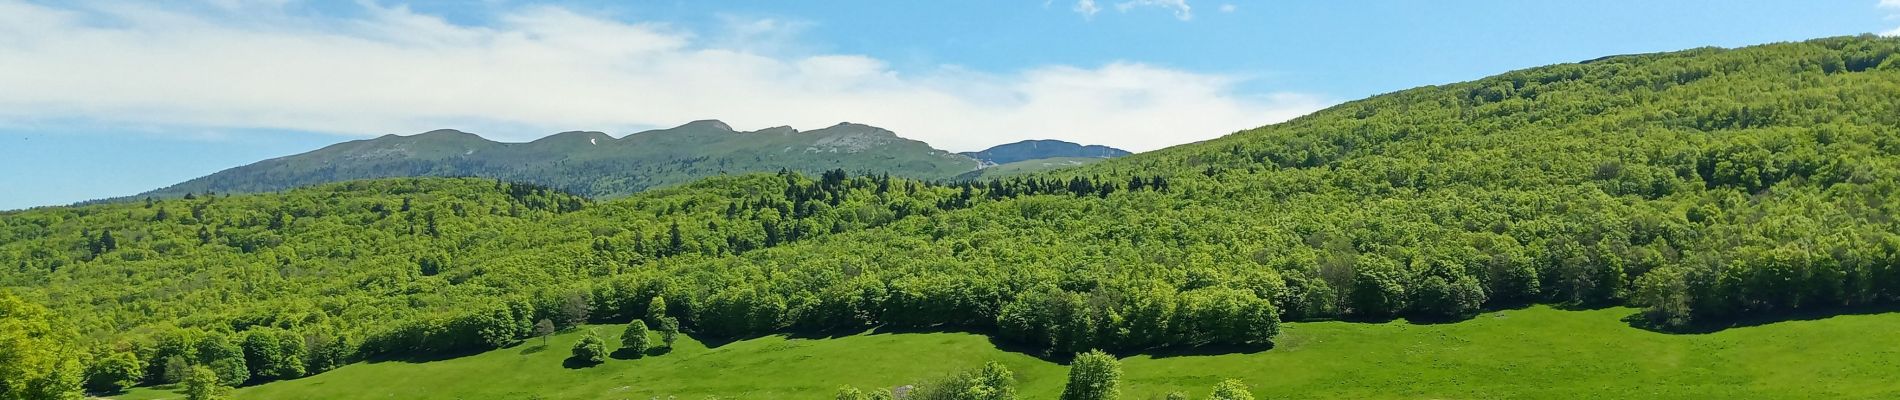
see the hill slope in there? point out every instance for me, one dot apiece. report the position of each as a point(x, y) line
point(1711, 187)
point(593, 163)
point(1708, 184)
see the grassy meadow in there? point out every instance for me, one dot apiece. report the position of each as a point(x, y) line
point(1534, 353)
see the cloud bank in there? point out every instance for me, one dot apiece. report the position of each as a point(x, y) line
point(538, 70)
point(1893, 8)
point(1180, 8)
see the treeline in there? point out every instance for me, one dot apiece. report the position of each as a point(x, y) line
point(391, 269)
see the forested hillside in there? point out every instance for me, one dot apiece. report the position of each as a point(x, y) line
point(1706, 185)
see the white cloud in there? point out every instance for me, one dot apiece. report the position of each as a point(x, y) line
point(540, 70)
point(1087, 8)
point(1227, 8)
point(1180, 7)
point(1895, 6)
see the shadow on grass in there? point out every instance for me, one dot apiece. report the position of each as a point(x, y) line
point(1032, 351)
point(578, 363)
point(424, 358)
point(1637, 320)
point(1416, 319)
point(827, 333)
point(714, 342)
point(529, 346)
point(90, 394)
point(626, 354)
point(1212, 350)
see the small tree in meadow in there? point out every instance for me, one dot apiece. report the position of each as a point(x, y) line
point(590, 349)
point(544, 328)
point(634, 340)
point(1231, 389)
point(202, 384)
point(1093, 376)
point(669, 331)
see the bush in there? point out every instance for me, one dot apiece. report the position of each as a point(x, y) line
point(590, 349)
point(1231, 389)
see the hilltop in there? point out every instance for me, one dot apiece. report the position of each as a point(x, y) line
point(593, 163)
point(596, 164)
point(1042, 149)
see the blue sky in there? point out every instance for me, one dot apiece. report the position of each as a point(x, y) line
point(111, 98)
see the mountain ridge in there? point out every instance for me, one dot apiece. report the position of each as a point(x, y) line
point(595, 163)
point(1041, 149)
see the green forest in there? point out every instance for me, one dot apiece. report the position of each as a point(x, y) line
point(1709, 188)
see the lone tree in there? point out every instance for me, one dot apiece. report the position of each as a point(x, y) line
point(634, 340)
point(544, 328)
point(669, 331)
point(1093, 376)
point(591, 349)
point(1231, 389)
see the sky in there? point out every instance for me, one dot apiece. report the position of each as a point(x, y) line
point(112, 98)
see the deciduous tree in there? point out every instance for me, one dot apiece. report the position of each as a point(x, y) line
point(1094, 375)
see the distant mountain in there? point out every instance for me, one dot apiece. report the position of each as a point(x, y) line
point(1039, 149)
point(593, 163)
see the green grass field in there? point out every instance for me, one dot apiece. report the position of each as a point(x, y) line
point(1535, 353)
